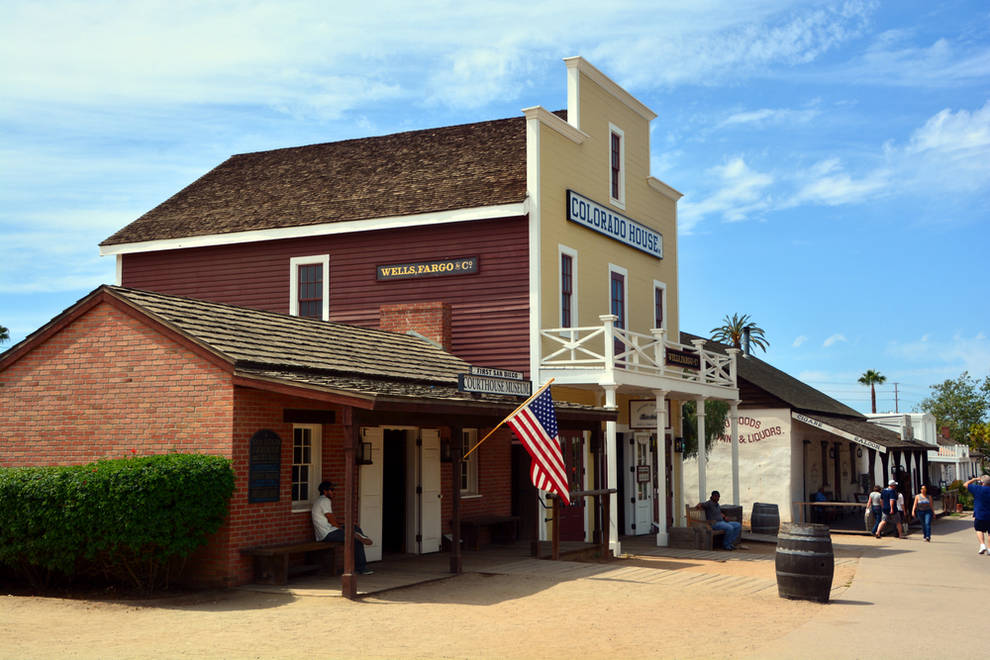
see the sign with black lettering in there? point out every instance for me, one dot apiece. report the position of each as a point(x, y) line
point(265, 463)
point(442, 268)
point(605, 221)
point(486, 385)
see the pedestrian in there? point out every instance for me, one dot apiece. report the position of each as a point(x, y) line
point(922, 509)
point(874, 505)
point(981, 509)
point(888, 498)
point(902, 514)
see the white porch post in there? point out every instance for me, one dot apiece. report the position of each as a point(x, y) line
point(611, 469)
point(734, 421)
point(663, 538)
point(702, 452)
point(678, 470)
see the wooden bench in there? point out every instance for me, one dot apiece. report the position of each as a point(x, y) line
point(704, 535)
point(503, 529)
point(272, 566)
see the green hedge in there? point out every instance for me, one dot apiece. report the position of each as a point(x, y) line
point(132, 519)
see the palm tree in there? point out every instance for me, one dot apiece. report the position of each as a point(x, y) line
point(732, 330)
point(872, 378)
point(4, 334)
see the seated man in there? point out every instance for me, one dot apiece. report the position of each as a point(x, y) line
point(718, 520)
point(328, 528)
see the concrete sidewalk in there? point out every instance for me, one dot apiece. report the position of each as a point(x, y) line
point(908, 598)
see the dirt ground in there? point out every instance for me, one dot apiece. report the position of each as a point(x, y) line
point(470, 616)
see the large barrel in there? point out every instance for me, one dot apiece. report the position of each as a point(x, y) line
point(765, 519)
point(804, 561)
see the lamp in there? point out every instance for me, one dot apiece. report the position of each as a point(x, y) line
point(679, 445)
point(364, 456)
point(445, 453)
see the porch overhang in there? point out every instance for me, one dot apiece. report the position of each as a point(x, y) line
point(629, 382)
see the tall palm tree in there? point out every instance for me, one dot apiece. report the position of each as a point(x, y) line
point(4, 334)
point(732, 329)
point(872, 378)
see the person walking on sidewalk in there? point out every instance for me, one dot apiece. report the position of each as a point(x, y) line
point(981, 509)
point(890, 515)
point(923, 510)
point(875, 506)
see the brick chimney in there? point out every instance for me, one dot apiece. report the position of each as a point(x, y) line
point(430, 319)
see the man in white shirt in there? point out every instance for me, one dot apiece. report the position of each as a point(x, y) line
point(328, 528)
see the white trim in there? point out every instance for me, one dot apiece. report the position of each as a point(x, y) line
point(315, 466)
point(554, 122)
point(533, 128)
point(612, 268)
point(574, 97)
point(575, 317)
point(322, 229)
point(657, 284)
point(610, 86)
point(120, 270)
point(619, 201)
point(294, 263)
point(663, 188)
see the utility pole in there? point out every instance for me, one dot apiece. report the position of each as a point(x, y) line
point(895, 397)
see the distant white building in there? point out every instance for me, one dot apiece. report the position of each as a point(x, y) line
point(947, 460)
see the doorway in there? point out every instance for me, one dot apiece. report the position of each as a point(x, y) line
point(394, 491)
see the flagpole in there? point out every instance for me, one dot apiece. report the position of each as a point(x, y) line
point(521, 405)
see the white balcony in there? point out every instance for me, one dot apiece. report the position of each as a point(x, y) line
point(605, 355)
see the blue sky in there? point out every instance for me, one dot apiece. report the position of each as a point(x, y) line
point(834, 156)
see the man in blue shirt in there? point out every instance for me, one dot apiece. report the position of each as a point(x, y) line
point(981, 509)
point(888, 500)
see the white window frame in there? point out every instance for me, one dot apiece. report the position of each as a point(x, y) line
point(619, 201)
point(612, 268)
point(470, 438)
point(315, 466)
point(294, 264)
point(572, 253)
point(663, 287)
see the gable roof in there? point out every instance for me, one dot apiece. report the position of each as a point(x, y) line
point(260, 347)
point(439, 169)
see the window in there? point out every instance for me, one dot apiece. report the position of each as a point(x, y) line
point(566, 289)
point(617, 294)
point(306, 442)
point(617, 169)
point(469, 466)
point(659, 304)
point(309, 287)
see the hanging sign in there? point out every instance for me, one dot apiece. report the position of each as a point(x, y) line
point(487, 385)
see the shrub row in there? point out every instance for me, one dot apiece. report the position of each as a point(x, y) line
point(130, 519)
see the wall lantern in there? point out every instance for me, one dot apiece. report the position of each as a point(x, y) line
point(831, 452)
point(679, 445)
point(446, 456)
point(364, 456)
point(859, 452)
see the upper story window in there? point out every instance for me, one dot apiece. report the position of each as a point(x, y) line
point(566, 290)
point(617, 290)
point(617, 166)
point(659, 304)
point(309, 287)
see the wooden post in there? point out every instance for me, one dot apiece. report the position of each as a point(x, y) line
point(555, 552)
point(456, 450)
point(607, 502)
point(348, 580)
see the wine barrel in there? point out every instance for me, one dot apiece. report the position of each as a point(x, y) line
point(805, 562)
point(765, 519)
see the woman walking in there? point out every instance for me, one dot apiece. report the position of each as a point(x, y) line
point(923, 510)
point(874, 505)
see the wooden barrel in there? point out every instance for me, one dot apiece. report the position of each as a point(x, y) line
point(765, 519)
point(804, 561)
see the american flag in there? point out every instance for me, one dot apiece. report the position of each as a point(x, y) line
point(536, 425)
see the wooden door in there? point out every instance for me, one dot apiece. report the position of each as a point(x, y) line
point(572, 524)
point(370, 493)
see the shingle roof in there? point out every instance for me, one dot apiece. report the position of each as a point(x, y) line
point(866, 429)
point(785, 387)
point(454, 167)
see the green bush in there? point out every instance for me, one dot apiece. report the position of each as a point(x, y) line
point(132, 519)
point(963, 496)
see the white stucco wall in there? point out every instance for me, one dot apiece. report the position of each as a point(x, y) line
point(768, 462)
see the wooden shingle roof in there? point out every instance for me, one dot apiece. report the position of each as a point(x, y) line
point(440, 169)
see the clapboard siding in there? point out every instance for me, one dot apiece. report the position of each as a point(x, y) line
point(490, 310)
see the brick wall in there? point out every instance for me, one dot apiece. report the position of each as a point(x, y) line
point(494, 480)
point(430, 319)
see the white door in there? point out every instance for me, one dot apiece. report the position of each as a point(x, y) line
point(430, 523)
point(639, 485)
point(370, 493)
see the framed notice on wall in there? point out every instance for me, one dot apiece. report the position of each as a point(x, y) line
point(643, 414)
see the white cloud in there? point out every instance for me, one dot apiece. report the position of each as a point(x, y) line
point(741, 193)
point(766, 117)
point(834, 339)
point(956, 354)
point(798, 341)
point(826, 182)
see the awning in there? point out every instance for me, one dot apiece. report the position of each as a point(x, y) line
point(829, 425)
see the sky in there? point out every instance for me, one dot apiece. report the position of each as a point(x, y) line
point(834, 156)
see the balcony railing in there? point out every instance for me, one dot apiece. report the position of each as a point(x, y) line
point(606, 347)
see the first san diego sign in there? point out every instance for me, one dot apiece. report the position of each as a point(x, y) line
point(616, 226)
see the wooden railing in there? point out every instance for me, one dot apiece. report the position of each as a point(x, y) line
point(606, 347)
